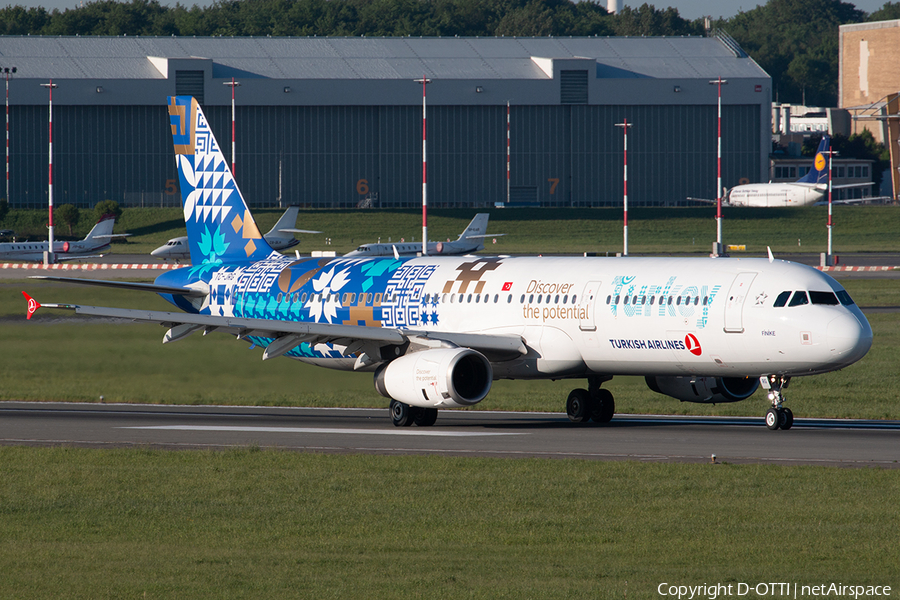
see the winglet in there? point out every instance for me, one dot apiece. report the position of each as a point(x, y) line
point(33, 305)
point(771, 256)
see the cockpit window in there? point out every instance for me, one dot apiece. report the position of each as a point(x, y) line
point(823, 298)
point(782, 299)
point(799, 298)
point(845, 298)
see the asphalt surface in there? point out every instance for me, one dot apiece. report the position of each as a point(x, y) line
point(850, 443)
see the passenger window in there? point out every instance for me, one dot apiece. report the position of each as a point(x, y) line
point(800, 298)
point(608, 299)
point(827, 298)
point(652, 300)
point(782, 299)
point(626, 300)
point(378, 298)
point(556, 300)
point(566, 299)
point(496, 298)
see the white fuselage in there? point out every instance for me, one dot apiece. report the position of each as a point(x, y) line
point(774, 195)
point(577, 316)
point(34, 251)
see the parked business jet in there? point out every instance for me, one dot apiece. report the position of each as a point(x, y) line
point(280, 237)
point(437, 331)
point(469, 241)
point(97, 239)
point(806, 191)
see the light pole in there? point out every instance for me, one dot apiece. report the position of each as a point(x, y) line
point(424, 81)
point(7, 71)
point(720, 249)
point(829, 257)
point(233, 85)
point(507, 153)
point(49, 259)
point(625, 125)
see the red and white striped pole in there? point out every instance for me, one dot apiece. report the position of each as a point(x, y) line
point(233, 85)
point(424, 81)
point(625, 125)
point(50, 256)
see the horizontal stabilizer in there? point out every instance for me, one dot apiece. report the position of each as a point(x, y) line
point(129, 285)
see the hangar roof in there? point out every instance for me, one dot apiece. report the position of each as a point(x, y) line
point(333, 58)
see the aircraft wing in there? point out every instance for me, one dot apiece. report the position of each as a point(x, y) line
point(292, 230)
point(289, 334)
point(129, 285)
point(112, 235)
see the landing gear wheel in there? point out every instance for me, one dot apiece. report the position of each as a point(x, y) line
point(579, 405)
point(604, 407)
point(425, 417)
point(402, 415)
point(788, 419)
point(773, 419)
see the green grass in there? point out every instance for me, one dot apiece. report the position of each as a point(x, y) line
point(270, 524)
point(79, 360)
point(651, 230)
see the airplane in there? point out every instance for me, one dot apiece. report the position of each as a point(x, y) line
point(469, 241)
point(806, 191)
point(177, 248)
point(436, 331)
point(97, 239)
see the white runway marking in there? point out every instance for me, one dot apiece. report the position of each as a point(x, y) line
point(419, 432)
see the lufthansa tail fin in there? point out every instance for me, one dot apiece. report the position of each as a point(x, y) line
point(818, 173)
point(219, 225)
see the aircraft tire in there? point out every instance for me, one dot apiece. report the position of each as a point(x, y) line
point(402, 415)
point(788, 419)
point(773, 419)
point(425, 417)
point(604, 407)
point(579, 405)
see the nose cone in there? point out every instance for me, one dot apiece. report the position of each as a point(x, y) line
point(849, 338)
point(159, 252)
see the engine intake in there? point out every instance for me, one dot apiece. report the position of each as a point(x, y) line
point(444, 377)
point(705, 390)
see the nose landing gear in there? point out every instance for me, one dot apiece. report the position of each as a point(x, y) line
point(779, 416)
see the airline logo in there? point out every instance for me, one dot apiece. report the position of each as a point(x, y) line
point(692, 344)
point(507, 286)
point(820, 162)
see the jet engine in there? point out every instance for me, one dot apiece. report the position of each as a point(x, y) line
point(438, 378)
point(706, 390)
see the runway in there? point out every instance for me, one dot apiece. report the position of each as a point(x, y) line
point(739, 440)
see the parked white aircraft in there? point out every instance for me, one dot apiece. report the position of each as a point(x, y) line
point(469, 241)
point(97, 239)
point(280, 237)
point(806, 191)
point(437, 331)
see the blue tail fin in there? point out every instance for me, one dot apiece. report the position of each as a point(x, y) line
point(818, 173)
point(219, 225)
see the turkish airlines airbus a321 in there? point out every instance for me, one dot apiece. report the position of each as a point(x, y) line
point(437, 331)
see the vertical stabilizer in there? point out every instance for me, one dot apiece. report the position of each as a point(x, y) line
point(818, 173)
point(287, 222)
point(476, 230)
point(219, 225)
point(102, 230)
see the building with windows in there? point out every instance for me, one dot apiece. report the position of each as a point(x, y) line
point(337, 122)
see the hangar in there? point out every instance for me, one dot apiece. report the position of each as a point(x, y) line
point(337, 122)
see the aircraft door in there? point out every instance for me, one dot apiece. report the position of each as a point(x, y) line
point(734, 303)
point(586, 306)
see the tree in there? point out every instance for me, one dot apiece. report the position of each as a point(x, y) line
point(106, 207)
point(68, 214)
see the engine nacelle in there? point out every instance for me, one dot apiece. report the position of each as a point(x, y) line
point(439, 378)
point(706, 390)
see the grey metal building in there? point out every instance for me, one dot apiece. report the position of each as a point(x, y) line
point(337, 122)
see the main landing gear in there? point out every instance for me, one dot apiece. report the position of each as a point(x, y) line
point(779, 416)
point(404, 415)
point(593, 404)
